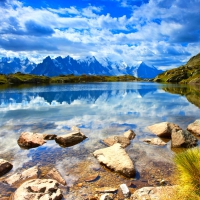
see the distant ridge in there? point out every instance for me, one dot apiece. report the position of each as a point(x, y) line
point(68, 65)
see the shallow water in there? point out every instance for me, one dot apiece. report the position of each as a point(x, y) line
point(100, 110)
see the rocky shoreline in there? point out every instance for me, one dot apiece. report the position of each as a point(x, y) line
point(36, 182)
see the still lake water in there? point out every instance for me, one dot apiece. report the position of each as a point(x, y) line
point(99, 109)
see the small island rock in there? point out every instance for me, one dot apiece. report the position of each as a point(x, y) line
point(183, 139)
point(116, 158)
point(124, 141)
point(194, 127)
point(30, 173)
point(30, 140)
point(130, 134)
point(70, 139)
point(5, 167)
point(38, 189)
point(164, 129)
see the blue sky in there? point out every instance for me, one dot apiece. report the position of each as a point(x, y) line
point(165, 33)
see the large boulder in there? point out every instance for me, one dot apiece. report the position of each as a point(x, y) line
point(70, 139)
point(129, 134)
point(164, 129)
point(54, 174)
point(124, 141)
point(194, 127)
point(38, 189)
point(153, 193)
point(155, 141)
point(29, 140)
point(116, 158)
point(5, 167)
point(183, 139)
point(31, 173)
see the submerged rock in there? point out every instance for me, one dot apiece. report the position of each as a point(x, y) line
point(54, 174)
point(194, 127)
point(116, 158)
point(70, 139)
point(30, 173)
point(130, 134)
point(106, 189)
point(164, 129)
point(183, 139)
point(155, 141)
point(153, 193)
point(5, 167)
point(29, 140)
point(36, 189)
point(124, 141)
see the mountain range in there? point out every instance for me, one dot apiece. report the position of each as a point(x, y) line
point(68, 65)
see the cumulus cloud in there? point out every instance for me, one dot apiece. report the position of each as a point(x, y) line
point(151, 29)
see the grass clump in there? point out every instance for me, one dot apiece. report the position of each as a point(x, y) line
point(188, 175)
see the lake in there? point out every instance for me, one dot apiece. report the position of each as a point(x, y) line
point(99, 110)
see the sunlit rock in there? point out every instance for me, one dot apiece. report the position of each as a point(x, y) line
point(5, 167)
point(70, 139)
point(124, 141)
point(194, 127)
point(30, 140)
point(116, 158)
point(38, 189)
point(130, 134)
point(164, 129)
point(54, 174)
point(31, 173)
point(183, 139)
point(155, 141)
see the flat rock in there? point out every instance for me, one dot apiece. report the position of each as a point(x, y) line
point(194, 127)
point(38, 189)
point(153, 193)
point(106, 189)
point(70, 139)
point(183, 139)
point(124, 141)
point(29, 140)
point(49, 136)
point(155, 141)
point(130, 134)
point(30, 173)
point(54, 174)
point(164, 129)
point(116, 158)
point(5, 167)
point(92, 177)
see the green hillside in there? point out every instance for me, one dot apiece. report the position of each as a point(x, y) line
point(188, 73)
point(20, 78)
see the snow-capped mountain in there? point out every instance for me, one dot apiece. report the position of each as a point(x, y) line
point(13, 65)
point(68, 65)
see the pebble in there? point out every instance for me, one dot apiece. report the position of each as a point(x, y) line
point(125, 190)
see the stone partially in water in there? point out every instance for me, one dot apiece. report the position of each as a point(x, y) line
point(125, 190)
point(116, 158)
point(130, 134)
point(30, 173)
point(124, 141)
point(29, 140)
point(153, 193)
point(106, 189)
point(194, 127)
point(155, 141)
point(92, 177)
point(54, 174)
point(38, 189)
point(70, 139)
point(164, 129)
point(5, 167)
point(183, 139)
